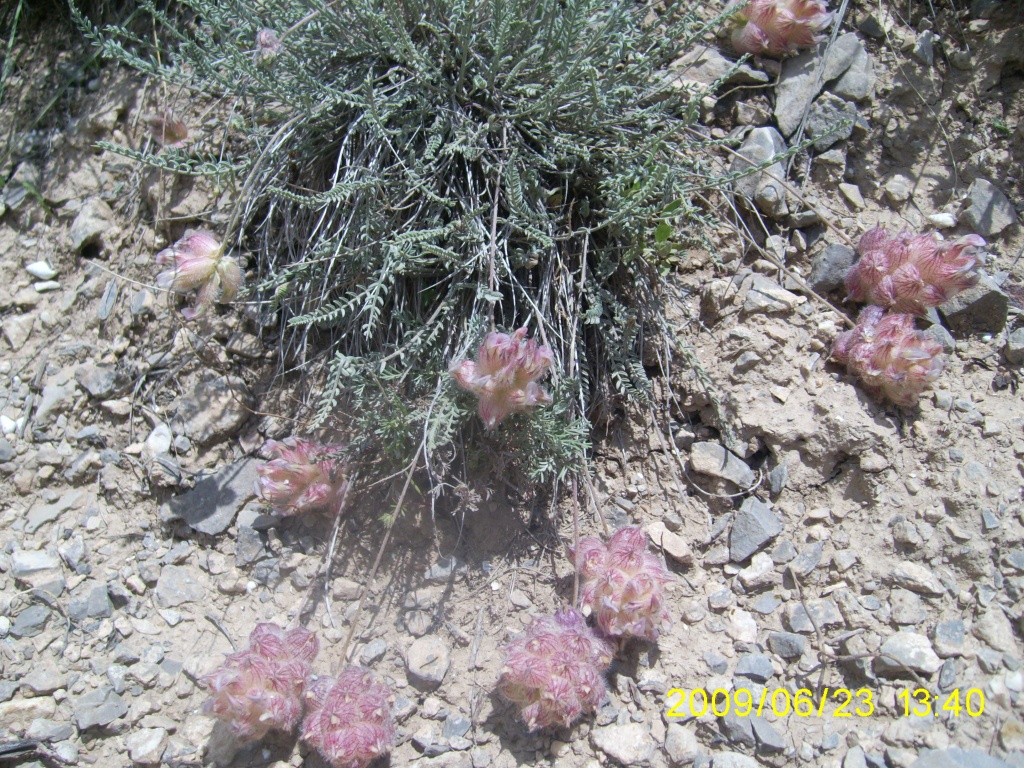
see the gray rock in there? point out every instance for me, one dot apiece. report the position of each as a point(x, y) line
point(765, 604)
point(808, 559)
point(855, 758)
point(427, 662)
point(765, 295)
point(712, 459)
point(829, 268)
point(858, 82)
point(99, 707)
point(214, 410)
point(455, 725)
point(43, 729)
point(825, 612)
point(907, 649)
point(907, 607)
point(146, 745)
point(755, 525)
point(799, 82)
point(898, 189)
point(681, 745)
point(442, 571)
point(705, 66)
point(830, 120)
point(26, 562)
point(769, 740)
point(942, 337)
point(373, 651)
point(41, 514)
point(994, 628)
point(257, 515)
point(1014, 349)
point(947, 675)
point(717, 663)
point(93, 220)
point(990, 661)
point(210, 507)
point(734, 760)
point(178, 584)
point(17, 329)
point(957, 758)
point(948, 638)
point(100, 381)
point(917, 578)
point(44, 679)
point(630, 744)
point(988, 211)
point(755, 666)
point(982, 308)
point(761, 145)
point(778, 477)
point(6, 451)
point(31, 621)
point(924, 48)
point(90, 600)
point(55, 400)
point(738, 730)
point(249, 547)
point(787, 644)
point(784, 552)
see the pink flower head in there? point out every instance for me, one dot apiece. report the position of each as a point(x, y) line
point(260, 689)
point(555, 672)
point(268, 47)
point(894, 361)
point(909, 273)
point(168, 131)
point(623, 584)
point(199, 263)
point(303, 476)
point(505, 375)
point(348, 719)
point(779, 27)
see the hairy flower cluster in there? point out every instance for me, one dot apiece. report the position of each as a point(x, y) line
point(260, 689)
point(348, 719)
point(168, 131)
point(504, 375)
point(268, 47)
point(623, 584)
point(909, 273)
point(779, 27)
point(302, 477)
point(892, 359)
point(198, 262)
point(555, 672)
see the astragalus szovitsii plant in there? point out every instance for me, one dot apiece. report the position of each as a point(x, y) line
point(624, 585)
point(504, 375)
point(779, 27)
point(303, 476)
point(892, 359)
point(555, 671)
point(909, 273)
point(200, 263)
point(260, 689)
point(348, 718)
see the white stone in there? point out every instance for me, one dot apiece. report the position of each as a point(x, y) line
point(41, 270)
point(146, 745)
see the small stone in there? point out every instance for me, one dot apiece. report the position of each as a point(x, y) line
point(738, 730)
point(800, 79)
point(1014, 349)
point(675, 546)
point(146, 746)
point(712, 459)
point(17, 329)
point(98, 380)
point(41, 270)
point(755, 525)
point(947, 676)
point(853, 195)
point(829, 268)
point(93, 221)
point(898, 189)
point(741, 626)
point(784, 552)
point(734, 760)
point(948, 638)
point(760, 573)
point(755, 666)
point(427, 661)
point(31, 621)
point(178, 584)
point(988, 211)
point(373, 651)
point(981, 308)
point(44, 729)
point(830, 120)
point(808, 559)
point(44, 679)
point(90, 600)
point(858, 82)
point(825, 612)
point(994, 628)
point(765, 295)
point(787, 644)
point(1011, 735)
point(917, 578)
point(907, 608)
point(214, 410)
point(778, 477)
point(99, 707)
point(26, 562)
point(629, 744)
point(907, 650)
point(924, 48)
point(26, 710)
point(681, 745)
point(769, 740)
point(211, 506)
point(760, 145)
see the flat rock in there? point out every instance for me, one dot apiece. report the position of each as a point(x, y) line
point(825, 612)
point(994, 628)
point(765, 295)
point(917, 578)
point(427, 662)
point(788, 645)
point(987, 210)
point(26, 710)
point(93, 221)
point(178, 584)
point(760, 145)
point(25, 562)
point(799, 82)
point(214, 410)
point(41, 514)
point(713, 459)
point(734, 760)
point(630, 744)
point(737, 730)
point(769, 740)
point(31, 621)
point(681, 744)
point(44, 729)
point(910, 650)
point(957, 758)
point(755, 666)
point(830, 120)
point(17, 329)
point(705, 66)
point(755, 525)
point(858, 82)
point(829, 268)
point(90, 600)
point(948, 638)
point(675, 546)
point(212, 504)
point(146, 745)
point(1014, 349)
point(100, 381)
point(982, 308)
point(99, 707)
point(44, 679)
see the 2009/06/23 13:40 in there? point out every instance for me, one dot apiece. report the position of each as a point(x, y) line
point(918, 702)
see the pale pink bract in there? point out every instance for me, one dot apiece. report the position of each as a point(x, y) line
point(504, 375)
point(303, 476)
point(779, 27)
point(909, 273)
point(555, 672)
point(892, 359)
point(199, 263)
point(624, 585)
point(260, 689)
point(168, 131)
point(348, 718)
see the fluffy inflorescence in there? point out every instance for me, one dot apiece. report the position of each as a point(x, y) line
point(504, 375)
point(199, 263)
point(623, 584)
point(268, 47)
point(303, 476)
point(555, 672)
point(260, 689)
point(909, 273)
point(779, 27)
point(892, 359)
point(348, 719)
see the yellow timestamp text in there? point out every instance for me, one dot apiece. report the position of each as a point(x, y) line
point(846, 702)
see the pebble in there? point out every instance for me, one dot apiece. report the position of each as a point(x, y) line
point(829, 268)
point(713, 459)
point(41, 270)
point(858, 82)
point(675, 546)
point(44, 729)
point(948, 638)
point(373, 651)
point(957, 758)
point(898, 189)
point(987, 210)
point(799, 81)
point(214, 410)
point(178, 584)
point(31, 621)
point(734, 760)
point(825, 612)
point(99, 381)
point(760, 145)
point(911, 650)
point(754, 526)
point(630, 744)
point(788, 645)
point(681, 744)
point(17, 329)
point(212, 505)
point(917, 578)
point(26, 710)
point(995, 629)
point(830, 120)
point(427, 661)
point(808, 558)
point(769, 740)
point(90, 600)
point(853, 195)
point(94, 220)
point(1014, 349)
point(99, 707)
point(755, 666)
point(146, 746)
point(44, 679)
point(738, 730)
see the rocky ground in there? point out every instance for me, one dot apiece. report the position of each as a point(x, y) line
point(817, 538)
